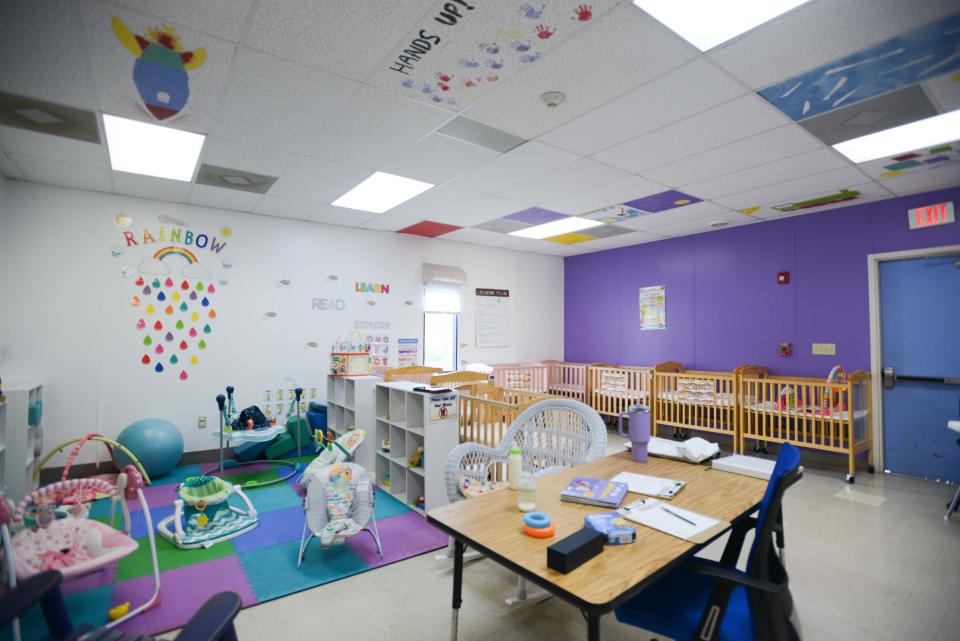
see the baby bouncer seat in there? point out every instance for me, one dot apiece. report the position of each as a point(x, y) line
point(339, 505)
point(202, 515)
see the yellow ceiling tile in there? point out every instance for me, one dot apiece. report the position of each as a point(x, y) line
point(570, 239)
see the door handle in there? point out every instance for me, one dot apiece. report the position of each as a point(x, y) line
point(890, 377)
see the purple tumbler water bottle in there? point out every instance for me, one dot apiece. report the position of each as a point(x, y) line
point(638, 417)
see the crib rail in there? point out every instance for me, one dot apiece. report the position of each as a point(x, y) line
point(412, 373)
point(567, 379)
point(455, 380)
point(613, 389)
point(485, 416)
point(531, 377)
point(705, 401)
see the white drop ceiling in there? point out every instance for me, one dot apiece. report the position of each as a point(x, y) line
point(296, 89)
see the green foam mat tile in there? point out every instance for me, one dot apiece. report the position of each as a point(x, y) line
point(168, 556)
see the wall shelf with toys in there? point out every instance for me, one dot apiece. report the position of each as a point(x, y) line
point(350, 406)
point(414, 433)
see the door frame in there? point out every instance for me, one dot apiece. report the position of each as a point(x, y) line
point(876, 345)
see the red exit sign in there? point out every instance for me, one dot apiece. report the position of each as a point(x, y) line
point(939, 214)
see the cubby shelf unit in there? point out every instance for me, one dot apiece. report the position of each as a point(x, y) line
point(21, 438)
point(350, 406)
point(404, 417)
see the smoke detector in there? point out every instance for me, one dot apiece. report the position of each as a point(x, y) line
point(717, 224)
point(553, 99)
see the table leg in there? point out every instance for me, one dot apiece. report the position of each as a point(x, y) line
point(593, 627)
point(458, 548)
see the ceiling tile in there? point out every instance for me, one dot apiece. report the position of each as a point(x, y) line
point(31, 143)
point(149, 187)
point(224, 152)
point(946, 176)
point(276, 103)
point(794, 189)
point(611, 193)
point(222, 18)
point(501, 226)
point(113, 65)
point(625, 240)
point(587, 79)
point(350, 39)
point(437, 159)
point(480, 210)
point(373, 126)
point(479, 237)
point(944, 92)
point(805, 164)
point(65, 174)
point(428, 229)
point(390, 222)
point(868, 192)
point(562, 181)
point(43, 53)
point(678, 94)
point(8, 168)
point(827, 29)
point(702, 225)
point(271, 205)
point(520, 163)
point(330, 215)
point(687, 213)
point(207, 196)
point(742, 154)
point(534, 216)
point(434, 202)
point(318, 180)
point(731, 121)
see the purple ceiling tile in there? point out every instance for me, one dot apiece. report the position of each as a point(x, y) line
point(663, 201)
point(535, 216)
point(936, 159)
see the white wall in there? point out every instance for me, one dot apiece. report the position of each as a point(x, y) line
point(4, 272)
point(71, 325)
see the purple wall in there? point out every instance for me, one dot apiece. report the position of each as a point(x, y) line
point(724, 307)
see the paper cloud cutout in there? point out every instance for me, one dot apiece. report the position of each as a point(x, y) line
point(153, 266)
point(196, 270)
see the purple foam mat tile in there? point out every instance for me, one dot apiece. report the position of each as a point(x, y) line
point(535, 216)
point(663, 201)
point(401, 536)
point(182, 592)
point(278, 526)
point(96, 579)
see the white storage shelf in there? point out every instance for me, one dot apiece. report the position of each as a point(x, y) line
point(403, 416)
point(350, 405)
point(21, 439)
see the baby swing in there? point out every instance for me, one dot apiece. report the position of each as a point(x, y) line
point(339, 505)
point(56, 535)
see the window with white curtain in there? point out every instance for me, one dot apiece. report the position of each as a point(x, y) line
point(441, 316)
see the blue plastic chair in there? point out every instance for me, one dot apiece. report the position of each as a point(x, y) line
point(714, 601)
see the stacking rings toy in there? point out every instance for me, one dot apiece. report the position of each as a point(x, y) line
point(540, 533)
point(536, 519)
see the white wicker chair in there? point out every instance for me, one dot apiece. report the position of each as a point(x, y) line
point(555, 433)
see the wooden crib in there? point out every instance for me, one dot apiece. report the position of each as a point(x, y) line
point(412, 373)
point(486, 412)
point(569, 380)
point(454, 380)
point(697, 400)
point(614, 388)
point(530, 377)
point(810, 412)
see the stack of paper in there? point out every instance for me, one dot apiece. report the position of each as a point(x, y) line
point(649, 485)
point(675, 521)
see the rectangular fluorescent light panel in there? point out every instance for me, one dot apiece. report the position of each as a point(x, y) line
point(708, 23)
point(556, 227)
point(151, 150)
point(913, 135)
point(380, 192)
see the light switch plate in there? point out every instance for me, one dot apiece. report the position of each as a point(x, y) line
point(825, 349)
point(201, 422)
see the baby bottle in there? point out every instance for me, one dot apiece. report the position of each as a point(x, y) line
point(514, 467)
point(527, 493)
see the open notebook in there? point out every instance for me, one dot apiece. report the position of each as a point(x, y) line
point(672, 520)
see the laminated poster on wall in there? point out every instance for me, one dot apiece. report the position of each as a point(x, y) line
point(408, 352)
point(443, 407)
point(494, 317)
point(377, 340)
point(653, 307)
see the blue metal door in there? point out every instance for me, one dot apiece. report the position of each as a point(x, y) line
point(920, 322)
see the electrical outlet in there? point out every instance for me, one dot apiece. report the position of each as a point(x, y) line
point(825, 349)
point(201, 422)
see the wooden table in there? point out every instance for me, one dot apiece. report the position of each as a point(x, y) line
point(492, 525)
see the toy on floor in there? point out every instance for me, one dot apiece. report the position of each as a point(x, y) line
point(339, 505)
point(202, 515)
point(157, 444)
point(333, 453)
point(53, 533)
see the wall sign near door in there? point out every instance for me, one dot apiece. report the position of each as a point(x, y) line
point(931, 215)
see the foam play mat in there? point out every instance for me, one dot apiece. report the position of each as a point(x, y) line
point(259, 565)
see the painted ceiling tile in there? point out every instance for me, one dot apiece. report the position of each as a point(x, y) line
point(502, 226)
point(612, 214)
point(899, 62)
point(535, 216)
point(570, 239)
point(916, 161)
point(663, 201)
point(429, 229)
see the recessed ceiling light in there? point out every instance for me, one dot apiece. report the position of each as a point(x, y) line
point(708, 23)
point(380, 192)
point(235, 180)
point(151, 150)
point(556, 227)
point(38, 116)
point(913, 135)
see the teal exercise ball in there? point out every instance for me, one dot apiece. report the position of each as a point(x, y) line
point(156, 443)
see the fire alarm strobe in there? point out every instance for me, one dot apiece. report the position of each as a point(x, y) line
point(783, 278)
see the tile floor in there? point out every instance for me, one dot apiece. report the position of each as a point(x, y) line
point(860, 569)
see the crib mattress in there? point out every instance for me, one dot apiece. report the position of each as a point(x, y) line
point(768, 407)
